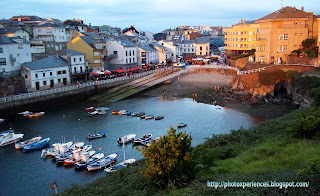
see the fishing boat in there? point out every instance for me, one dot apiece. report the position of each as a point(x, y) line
point(93, 113)
point(36, 145)
point(100, 112)
point(57, 149)
point(141, 114)
point(86, 160)
point(96, 135)
point(126, 139)
point(134, 113)
point(103, 108)
point(68, 154)
point(123, 112)
point(143, 117)
point(143, 138)
point(76, 157)
point(102, 163)
point(9, 138)
point(38, 114)
point(180, 125)
point(149, 117)
point(89, 108)
point(120, 165)
point(4, 133)
point(115, 112)
point(27, 142)
point(25, 113)
point(158, 117)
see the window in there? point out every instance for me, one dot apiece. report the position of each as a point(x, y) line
point(96, 53)
point(59, 72)
point(126, 53)
point(80, 59)
point(36, 75)
point(64, 72)
point(59, 80)
point(133, 59)
point(44, 74)
point(26, 76)
point(115, 52)
point(129, 53)
point(18, 54)
point(282, 48)
point(130, 60)
point(44, 83)
point(74, 59)
point(200, 47)
point(283, 36)
point(1, 50)
point(51, 73)
point(133, 53)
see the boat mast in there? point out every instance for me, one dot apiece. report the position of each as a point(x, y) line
point(124, 154)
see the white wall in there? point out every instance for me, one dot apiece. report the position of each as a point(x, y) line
point(44, 77)
point(23, 34)
point(77, 64)
point(188, 48)
point(115, 46)
point(57, 34)
point(21, 55)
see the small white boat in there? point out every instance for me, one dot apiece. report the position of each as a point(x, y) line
point(57, 149)
point(10, 138)
point(25, 113)
point(20, 145)
point(103, 108)
point(93, 113)
point(180, 125)
point(100, 112)
point(149, 117)
point(1, 120)
point(123, 112)
point(120, 165)
point(102, 163)
point(127, 138)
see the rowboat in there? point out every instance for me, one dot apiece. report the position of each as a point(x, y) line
point(149, 117)
point(96, 135)
point(127, 138)
point(158, 117)
point(86, 160)
point(38, 114)
point(27, 142)
point(143, 138)
point(102, 163)
point(180, 125)
point(89, 108)
point(115, 112)
point(120, 165)
point(36, 145)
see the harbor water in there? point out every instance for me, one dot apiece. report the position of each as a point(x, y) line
point(29, 174)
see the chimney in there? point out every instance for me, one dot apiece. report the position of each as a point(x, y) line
point(302, 9)
point(244, 21)
point(74, 19)
point(294, 9)
point(282, 9)
point(241, 21)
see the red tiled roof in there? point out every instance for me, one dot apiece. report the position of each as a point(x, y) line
point(286, 12)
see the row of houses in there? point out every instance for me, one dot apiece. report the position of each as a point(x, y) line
point(274, 36)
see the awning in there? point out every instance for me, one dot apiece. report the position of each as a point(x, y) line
point(107, 72)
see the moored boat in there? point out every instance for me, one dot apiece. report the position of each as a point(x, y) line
point(180, 125)
point(103, 108)
point(126, 139)
point(89, 108)
point(143, 138)
point(134, 113)
point(96, 135)
point(1, 120)
point(102, 163)
point(86, 160)
point(149, 117)
point(38, 114)
point(36, 145)
point(115, 112)
point(158, 117)
point(141, 114)
point(9, 138)
point(120, 165)
point(143, 117)
point(123, 112)
point(27, 142)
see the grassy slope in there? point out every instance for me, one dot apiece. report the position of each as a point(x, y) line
point(262, 153)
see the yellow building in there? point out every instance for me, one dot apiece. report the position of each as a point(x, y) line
point(92, 49)
point(283, 31)
point(241, 38)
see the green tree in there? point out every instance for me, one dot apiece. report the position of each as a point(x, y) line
point(169, 160)
point(308, 43)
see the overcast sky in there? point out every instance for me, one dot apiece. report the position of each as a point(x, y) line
point(152, 15)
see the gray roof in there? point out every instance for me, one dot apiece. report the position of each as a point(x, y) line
point(11, 40)
point(147, 48)
point(71, 52)
point(91, 34)
point(9, 30)
point(202, 40)
point(177, 38)
point(89, 40)
point(50, 62)
point(157, 45)
point(51, 25)
point(247, 22)
point(31, 17)
point(188, 41)
point(126, 43)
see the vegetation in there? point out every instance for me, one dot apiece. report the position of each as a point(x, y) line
point(169, 161)
point(235, 57)
point(308, 49)
point(272, 77)
point(269, 151)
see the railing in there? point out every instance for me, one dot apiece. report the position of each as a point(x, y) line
point(265, 68)
point(73, 87)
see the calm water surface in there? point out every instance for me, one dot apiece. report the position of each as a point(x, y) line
point(28, 174)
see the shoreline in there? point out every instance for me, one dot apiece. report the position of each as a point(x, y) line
point(203, 88)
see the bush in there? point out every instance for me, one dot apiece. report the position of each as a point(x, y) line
point(308, 43)
point(169, 161)
point(313, 168)
point(307, 125)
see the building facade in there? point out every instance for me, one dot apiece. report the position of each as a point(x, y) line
point(283, 31)
point(241, 38)
point(13, 52)
point(46, 73)
point(148, 55)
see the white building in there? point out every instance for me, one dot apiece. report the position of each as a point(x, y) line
point(46, 73)
point(188, 47)
point(122, 54)
point(148, 55)
point(76, 60)
point(54, 35)
point(174, 47)
point(15, 32)
point(165, 53)
point(13, 52)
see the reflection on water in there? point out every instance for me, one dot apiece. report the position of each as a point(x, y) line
point(72, 123)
